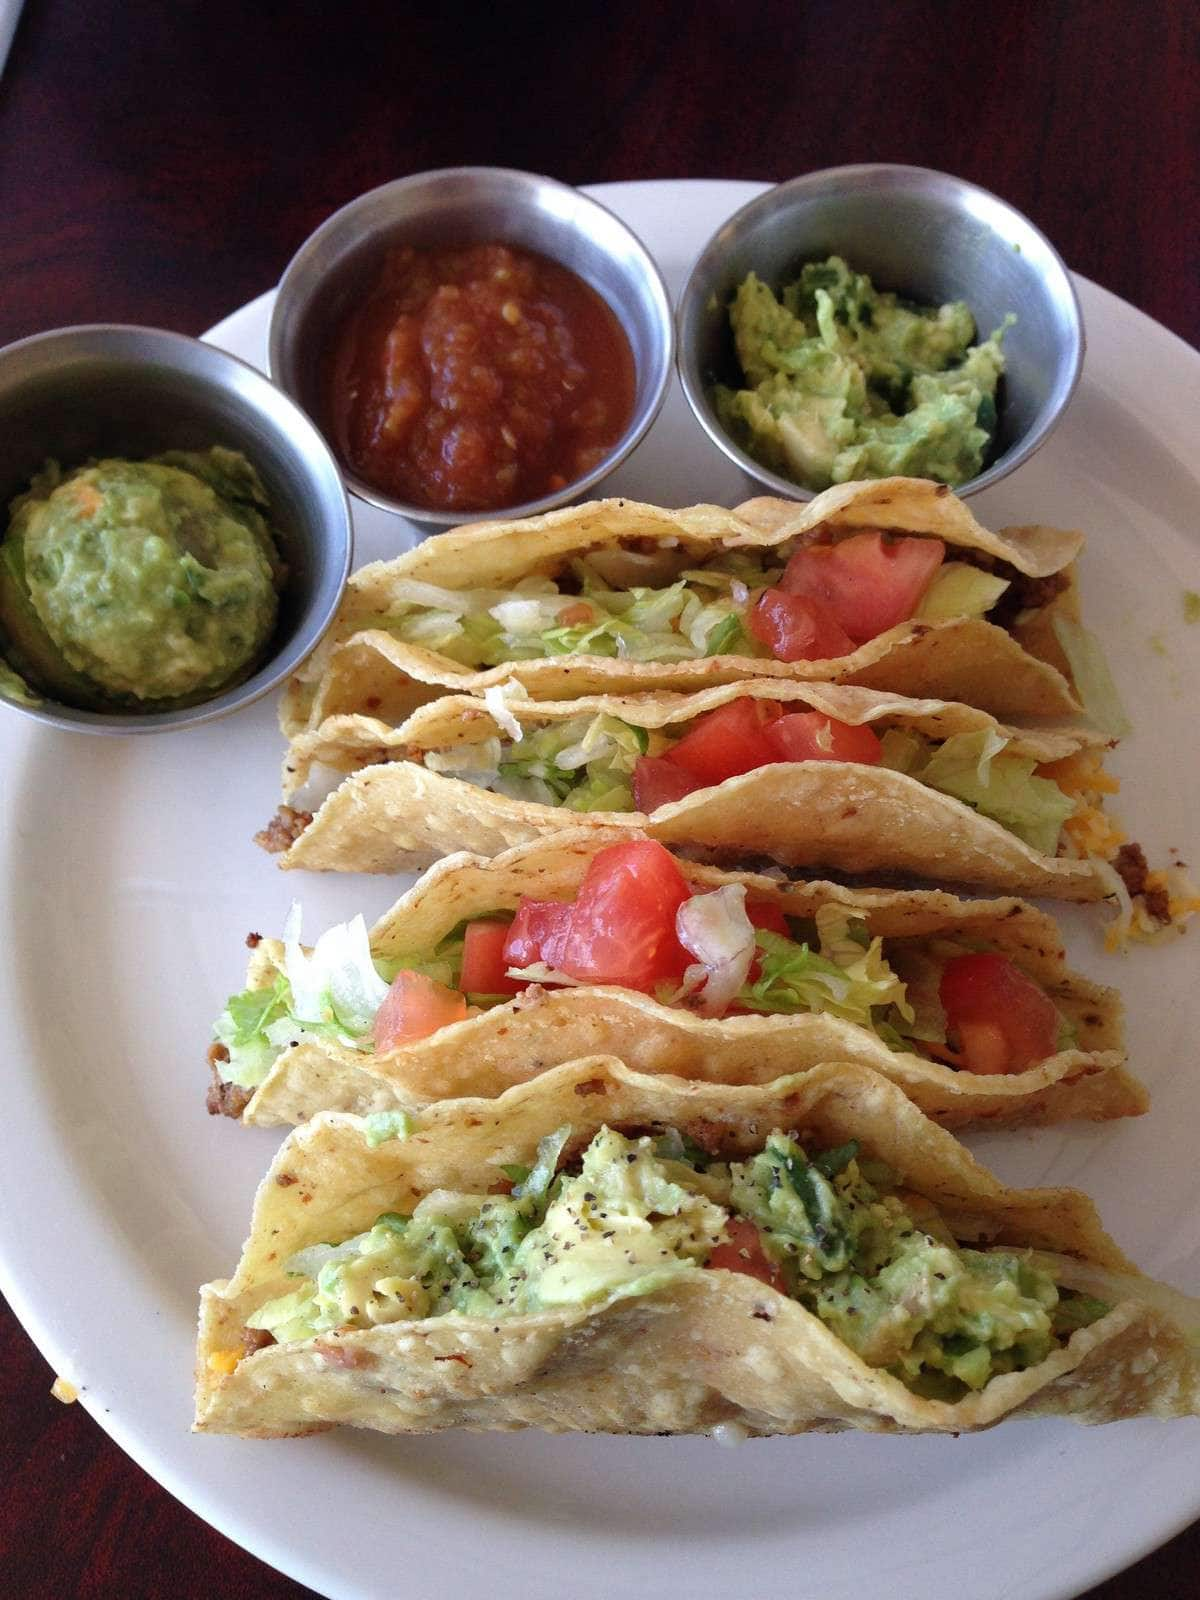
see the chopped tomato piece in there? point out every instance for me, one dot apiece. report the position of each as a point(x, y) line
point(413, 1008)
point(723, 743)
point(575, 614)
point(1002, 1020)
point(870, 582)
point(537, 933)
point(484, 969)
point(766, 915)
point(622, 927)
point(744, 1253)
point(657, 782)
point(798, 627)
point(810, 736)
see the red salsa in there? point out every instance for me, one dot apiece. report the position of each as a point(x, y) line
point(477, 377)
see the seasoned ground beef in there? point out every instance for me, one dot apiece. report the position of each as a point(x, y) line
point(1026, 594)
point(1130, 862)
point(284, 828)
point(224, 1099)
point(1158, 904)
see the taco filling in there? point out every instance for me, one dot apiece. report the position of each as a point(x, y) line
point(636, 923)
point(600, 763)
point(821, 603)
point(876, 1263)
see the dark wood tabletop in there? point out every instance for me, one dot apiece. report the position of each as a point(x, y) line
point(160, 163)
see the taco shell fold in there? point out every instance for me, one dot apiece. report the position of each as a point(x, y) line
point(391, 813)
point(509, 1043)
point(361, 667)
point(709, 1347)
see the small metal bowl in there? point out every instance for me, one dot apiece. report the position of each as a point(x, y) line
point(107, 390)
point(337, 265)
point(924, 234)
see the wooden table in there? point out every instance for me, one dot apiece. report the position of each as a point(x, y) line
point(160, 164)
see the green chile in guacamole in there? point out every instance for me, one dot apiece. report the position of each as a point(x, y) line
point(843, 382)
point(131, 584)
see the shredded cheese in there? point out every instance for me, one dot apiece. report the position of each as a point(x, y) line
point(1093, 833)
point(1081, 773)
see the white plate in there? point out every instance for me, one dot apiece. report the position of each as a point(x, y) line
point(127, 884)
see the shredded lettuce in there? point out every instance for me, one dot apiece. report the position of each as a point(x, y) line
point(242, 1028)
point(336, 983)
point(496, 697)
point(728, 637)
point(843, 978)
point(701, 612)
point(901, 750)
point(584, 764)
point(537, 1184)
point(1093, 679)
point(976, 769)
point(331, 993)
point(979, 770)
point(473, 763)
point(442, 964)
point(715, 929)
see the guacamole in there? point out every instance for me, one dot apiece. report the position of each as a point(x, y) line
point(877, 1265)
point(136, 584)
point(844, 382)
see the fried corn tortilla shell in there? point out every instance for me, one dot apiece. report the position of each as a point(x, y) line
point(361, 667)
point(489, 1052)
point(710, 1347)
point(392, 814)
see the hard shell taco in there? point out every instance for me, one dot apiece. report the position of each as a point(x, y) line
point(890, 584)
point(604, 1251)
point(490, 971)
point(822, 776)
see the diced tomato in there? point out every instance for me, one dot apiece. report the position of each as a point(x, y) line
point(744, 1253)
point(484, 969)
point(576, 614)
point(538, 933)
point(413, 1008)
point(657, 782)
point(723, 743)
point(622, 926)
point(798, 627)
point(870, 582)
point(1002, 1020)
point(766, 915)
point(810, 736)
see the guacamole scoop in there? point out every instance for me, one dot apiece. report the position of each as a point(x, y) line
point(845, 382)
point(139, 583)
